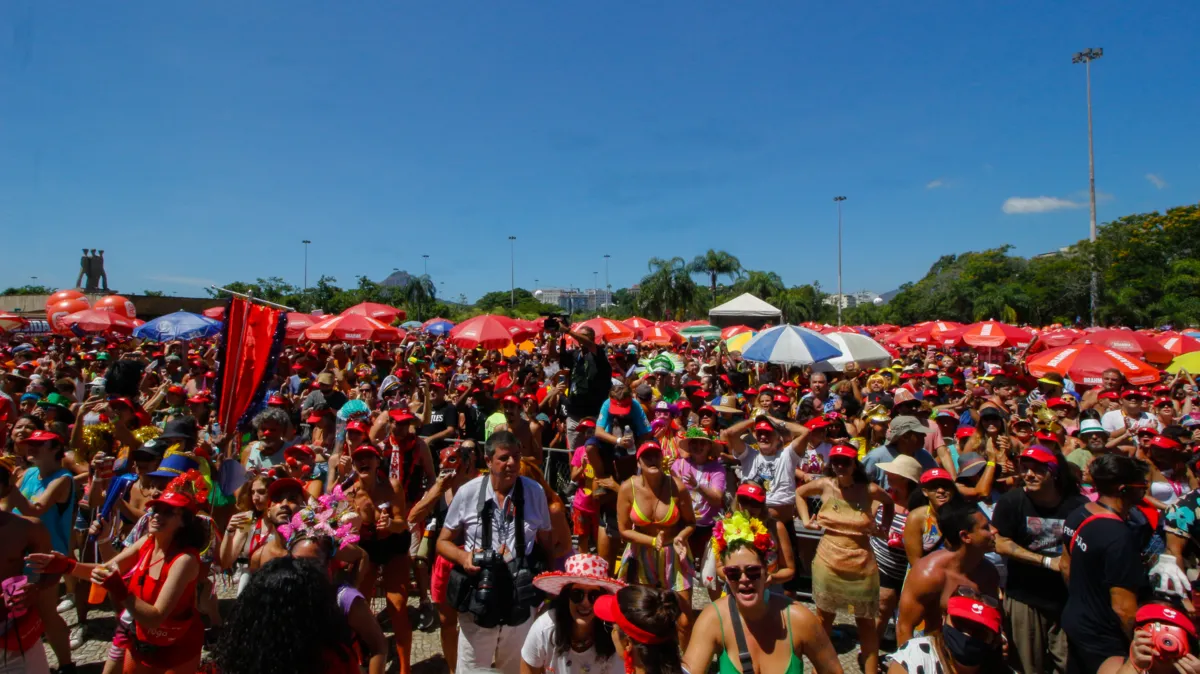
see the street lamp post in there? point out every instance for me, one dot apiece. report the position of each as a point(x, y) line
point(607, 285)
point(841, 298)
point(1086, 57)
point(596, 292)
point(306, 242)
point(512, 271)
point(426, 264)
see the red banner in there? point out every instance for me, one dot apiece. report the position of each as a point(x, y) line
point(250, 343)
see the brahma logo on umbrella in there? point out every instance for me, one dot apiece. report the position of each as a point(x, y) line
point(1066, 353)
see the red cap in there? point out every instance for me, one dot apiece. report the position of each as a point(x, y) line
point(816, 423)
point(1161, 388)
point(1108, 395)
point(847, 451)
point(1159, 402)
point(1041, 455)
point(315, 416)
point(120, 402)
point(402, 416)
point(975, 611)
point(275, 401)
point(284, 484)
point(1046, 436)
point(764, 425)
point(935, 474)
point(781, 399)
point(964, 432)
point(683, 404)
point(44, 436)
point(175, 500)
point(649, 447)
point(1057, 403)
point(607, 609)
point(1146, 430)
point(199, 399)
point(790, 384)
point(365, 449)
point(1158, 613)
point(750, 392)
point(586, 423)
point(1163, 442)
point(517, 401)
point(1136, 393)
point(617, 407)
point(175, 390)
point(300, 450)
point(707, 409)
point(692, 384)
point(752, 491)
point(357, 425)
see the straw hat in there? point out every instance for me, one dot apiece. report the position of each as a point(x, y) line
point(904, 466)
point(581, 569)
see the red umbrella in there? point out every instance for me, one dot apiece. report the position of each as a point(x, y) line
point(1179, 344)
point(215, 313)
point(657, 334)
point(380, 312)
point(931, 331)
point(609, 331)
point(1057, 338)
point(637, 323)
point(735, 330)
point(673, 325)
point(353, 328)
point(1085, 364)
point(98, 320)
point(489, 332)
point(1130, 342)
point(692, 324)
point(830, 329)
point(297, 324)
point(12, 321)
point(988, 335)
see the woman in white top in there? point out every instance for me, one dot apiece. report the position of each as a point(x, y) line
point(569, 639)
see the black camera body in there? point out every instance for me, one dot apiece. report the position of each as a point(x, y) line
point(554, 322)
point(491, 566)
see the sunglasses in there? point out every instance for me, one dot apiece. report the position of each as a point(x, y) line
point(163, 511)
point(735, 573)
point(749, 503)
point(972, 593)
point(841, 461)
point(577, 595)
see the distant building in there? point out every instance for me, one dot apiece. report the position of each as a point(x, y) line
point(574, 300)
point(1054, 253)
point(851, 300)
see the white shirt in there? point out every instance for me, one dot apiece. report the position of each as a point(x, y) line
point(778, 473)
point(464, 514)
point(538, 651)
point(1115, 420)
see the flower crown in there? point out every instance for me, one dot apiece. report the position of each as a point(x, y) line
point(332, 516)
point(191, 484)
point(739, 527)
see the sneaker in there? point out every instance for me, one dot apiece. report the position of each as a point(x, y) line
point(78, 636)
point(427, 620)
point(67, 604)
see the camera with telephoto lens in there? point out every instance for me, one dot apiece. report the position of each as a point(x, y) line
point(489, 563)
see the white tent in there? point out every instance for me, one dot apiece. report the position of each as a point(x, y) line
point(744, 309)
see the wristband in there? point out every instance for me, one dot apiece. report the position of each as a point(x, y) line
point(60, 564)
point(1047, 562)
point(991, 464)
point(117, 589)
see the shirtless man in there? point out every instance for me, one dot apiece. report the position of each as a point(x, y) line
point(287, 497)
point(1111, 380)
point(20, 536)
point(526, 430)
point(939, 574)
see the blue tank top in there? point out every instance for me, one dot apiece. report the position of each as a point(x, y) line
point(60, 516)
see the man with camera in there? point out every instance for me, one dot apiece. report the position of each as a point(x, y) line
point(496, 534)
point(590, 375)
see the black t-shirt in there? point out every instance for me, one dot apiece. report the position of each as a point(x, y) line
point(591, 379)
point(1038, 530)
point(1107, 554)
point(440, 418)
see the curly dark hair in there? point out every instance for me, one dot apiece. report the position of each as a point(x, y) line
point(655, 611)
point(560, 609)
point(287, 621)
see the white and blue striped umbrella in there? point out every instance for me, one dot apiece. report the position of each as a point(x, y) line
point(789, 345)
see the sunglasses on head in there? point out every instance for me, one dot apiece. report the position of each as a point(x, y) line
point(972, 593)
point(577, 595)
point(735, 573)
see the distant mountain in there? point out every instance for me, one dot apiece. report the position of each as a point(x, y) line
point(397, 279)
point(887, 297)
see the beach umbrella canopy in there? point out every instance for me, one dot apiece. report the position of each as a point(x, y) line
point(180, 325)
point(1188, 361)
point(1129, 342)
point(99, 320)
point(656, 334)
point(790, 345)
point(608, 330)
point(488, 331)
point(1086, 363)
point(739, 341)
point(701, 331)
point(380, 312)
point(437, 326)
point(352, 328)
point(215, 313)
point(637, 323)
point(412, 325)
point(297, 324)
point(12, 322)
point(735, 330)
point(1057, 338)
point(987, 335)
point(1179, 344)
point(855, 348)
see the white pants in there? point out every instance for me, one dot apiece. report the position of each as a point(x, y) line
point(490, 649)
point(32, 661)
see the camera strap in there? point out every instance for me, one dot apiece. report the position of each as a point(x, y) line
point(487, 507)
point(484, 508)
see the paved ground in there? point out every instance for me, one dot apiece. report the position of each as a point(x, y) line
point(427, 648)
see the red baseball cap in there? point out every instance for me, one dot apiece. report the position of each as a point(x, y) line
point(304, 450)
point(1158, 613)
point(175, 390)
point(964, 432)
point(275, 401)
point(617, 407)
point(752, 491)
point(517, 401)
point(365, 449)
point(1109, 395)
point(935, 474)
point(781, 399)
point(847, 451)
point(750, 392)
point(1046, 436)
point(649, 447)
point(975, 611)
point(356, 425)
point(1136, 393)
point(283, 484)
point(402, 416)
point(44, 436)
point(1159, 402)
point(586, 423)
point(199, 399)
point(1163, 442)
point(816, 423)
point(764, 425)
point(1056, 403)
point(1041, 455)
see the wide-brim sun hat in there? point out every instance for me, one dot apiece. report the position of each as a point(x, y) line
point(582, 569)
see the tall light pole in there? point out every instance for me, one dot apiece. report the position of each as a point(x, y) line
point(306, 242)
point(426, 264)
point(512, 271)
point(841, 298)
point(1086, 57)
point(607, 285)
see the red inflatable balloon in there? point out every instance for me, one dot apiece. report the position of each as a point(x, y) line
point(57, 311)
point(116, 304)
point(64, 295)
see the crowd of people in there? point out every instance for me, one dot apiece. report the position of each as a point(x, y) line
point(568, 508)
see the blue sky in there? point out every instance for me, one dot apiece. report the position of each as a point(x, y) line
point(199, 142)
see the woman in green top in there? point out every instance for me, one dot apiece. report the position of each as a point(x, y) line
point(756, 632)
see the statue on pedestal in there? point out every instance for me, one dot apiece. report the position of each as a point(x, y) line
point(91, 268)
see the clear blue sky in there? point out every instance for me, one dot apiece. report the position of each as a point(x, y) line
point(200, 141)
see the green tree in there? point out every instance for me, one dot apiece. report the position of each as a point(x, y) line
point(153, 293)
point(716, 263)
point(668, 291)
point(28, 290)
point(419, 295)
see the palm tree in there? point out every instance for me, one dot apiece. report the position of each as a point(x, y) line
point(668, 290)
point(419, 293)
point(763, 284)
point(716, 263)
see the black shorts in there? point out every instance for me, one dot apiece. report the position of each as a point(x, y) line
point(382, 550)
point(887, 582)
